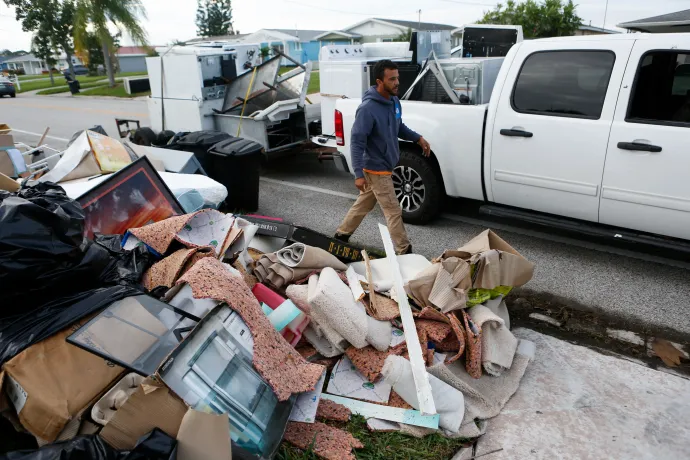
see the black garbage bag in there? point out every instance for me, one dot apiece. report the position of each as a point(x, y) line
point(125, 267)
point(156, 445)
point(43, 253)
point(20, 332)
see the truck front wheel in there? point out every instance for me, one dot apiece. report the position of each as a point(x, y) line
point(418, 187)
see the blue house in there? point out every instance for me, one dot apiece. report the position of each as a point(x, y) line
point(309, 42)
point(301, 45)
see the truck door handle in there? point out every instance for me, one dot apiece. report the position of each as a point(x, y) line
point(515, 133)
point(639, 147)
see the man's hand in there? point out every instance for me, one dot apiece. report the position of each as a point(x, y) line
point(426, 148)
point(361, 184)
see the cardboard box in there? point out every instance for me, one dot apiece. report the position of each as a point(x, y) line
point(8, 184)
point(52, 381)
point(153, 405)
point(89, 155)
point(507, 267)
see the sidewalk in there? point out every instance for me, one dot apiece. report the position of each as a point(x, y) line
point(576, 403)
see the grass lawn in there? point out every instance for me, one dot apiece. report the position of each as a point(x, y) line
point(314, 83)
point(65, 89)
point(117, 91)
point(130, 74)
point(384, 446)
point(314, 79)
point(59, 81)
point(32, 77)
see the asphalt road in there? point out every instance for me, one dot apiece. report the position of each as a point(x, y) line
point(633, 287)
point(67, 114)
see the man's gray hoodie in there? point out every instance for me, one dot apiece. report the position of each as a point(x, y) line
point(374, 140)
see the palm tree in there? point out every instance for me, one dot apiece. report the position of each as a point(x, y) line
point(98, 15)
point(404, 36)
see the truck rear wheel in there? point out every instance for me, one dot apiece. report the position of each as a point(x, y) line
point(418, 186)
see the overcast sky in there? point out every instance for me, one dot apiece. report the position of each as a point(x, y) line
point(174, 19)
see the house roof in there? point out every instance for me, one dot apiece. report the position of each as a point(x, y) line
point(25, 58)
point(598, 29)
point(303, 35)
point(415, 25)
point(216, 38)
point(677, 18)
point(337, 32)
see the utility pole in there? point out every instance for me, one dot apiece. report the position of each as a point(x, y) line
point(606, 10)
point(419, 19)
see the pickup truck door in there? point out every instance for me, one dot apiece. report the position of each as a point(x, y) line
point(646, 182)
point(551, 128)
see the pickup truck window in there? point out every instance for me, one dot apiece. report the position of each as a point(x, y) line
point(563, 83)
point(661, 92)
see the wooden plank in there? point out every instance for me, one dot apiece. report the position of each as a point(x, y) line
point(45, 133)
point(355, 285)
point(392, 414)
point(417, 360)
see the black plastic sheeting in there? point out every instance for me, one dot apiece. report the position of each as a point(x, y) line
point(156, 445)
point(34, 326)
point(44, 255)
point(125, 267)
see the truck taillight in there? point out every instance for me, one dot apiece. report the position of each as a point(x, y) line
point(339, 130)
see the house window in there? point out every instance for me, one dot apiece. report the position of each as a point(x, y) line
point(564, 83)
point(387, 40)
point(298, 46)
point(661, 92)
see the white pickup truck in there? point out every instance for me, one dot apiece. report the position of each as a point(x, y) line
point(591, 128)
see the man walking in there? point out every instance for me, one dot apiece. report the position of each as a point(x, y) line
point(375, 152)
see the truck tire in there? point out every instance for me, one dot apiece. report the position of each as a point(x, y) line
point(418, 186)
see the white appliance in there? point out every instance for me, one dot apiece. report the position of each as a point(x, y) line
point(344, 72)
point(187, 83)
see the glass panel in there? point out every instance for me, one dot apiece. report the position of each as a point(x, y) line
point(662, 88)
point(136, 332)
point(564, 83)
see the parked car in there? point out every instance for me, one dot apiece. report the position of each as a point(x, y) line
point(78, 70)
point(7, 87)
point(578, 128)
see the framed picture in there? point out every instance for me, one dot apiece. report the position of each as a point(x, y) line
point(132, 197)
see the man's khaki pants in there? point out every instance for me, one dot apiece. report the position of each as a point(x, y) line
point(379, 188)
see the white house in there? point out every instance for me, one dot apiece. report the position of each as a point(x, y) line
point(34, 66)
point(387, 30)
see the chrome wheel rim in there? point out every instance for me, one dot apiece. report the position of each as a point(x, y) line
point(409, 188)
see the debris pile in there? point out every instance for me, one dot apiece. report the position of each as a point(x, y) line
point(134, 329)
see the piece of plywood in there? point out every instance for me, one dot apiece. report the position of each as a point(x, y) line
point(417, 359)
point(355, 285)
point(392, 414)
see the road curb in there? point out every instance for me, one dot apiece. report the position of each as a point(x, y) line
point(605, 333)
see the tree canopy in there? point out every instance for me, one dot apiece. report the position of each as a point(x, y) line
point(213, 17)
point(52, 23)
point(552, 18)
point(98, 15)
